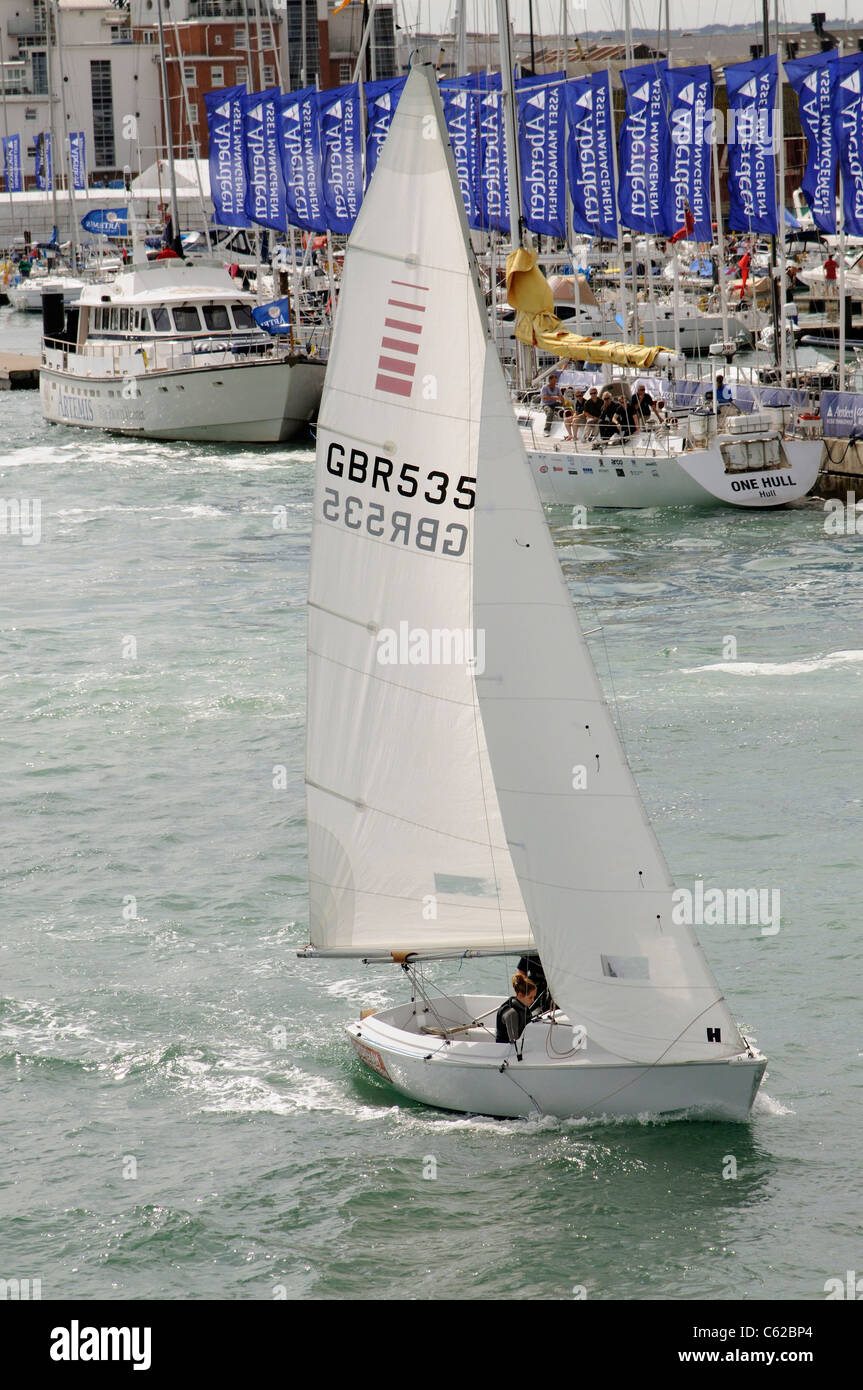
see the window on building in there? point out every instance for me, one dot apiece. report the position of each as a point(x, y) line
point(346, 72)
point(239, 39)
point(269, 76)
point(217, 41)
point(242, 73)
point(103, 114)
point(190, 73)
point(40, 73)
point(266, 36)
point(294, 17)
point(217, 75)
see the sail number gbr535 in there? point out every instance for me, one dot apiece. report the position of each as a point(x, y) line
point(383, 515)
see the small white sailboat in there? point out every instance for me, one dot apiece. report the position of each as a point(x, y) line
point(467, 792)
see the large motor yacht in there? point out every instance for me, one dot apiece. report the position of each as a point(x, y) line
point(170, 350)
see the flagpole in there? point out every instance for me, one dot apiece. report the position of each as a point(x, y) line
point(783, 272)
point(12, 219)
point(720, 230)
point(621, 267)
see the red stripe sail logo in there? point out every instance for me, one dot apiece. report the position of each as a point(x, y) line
point(403, 328)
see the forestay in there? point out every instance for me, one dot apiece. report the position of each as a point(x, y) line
point(406, 846)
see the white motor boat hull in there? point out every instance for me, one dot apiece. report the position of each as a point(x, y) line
point(26, 296)
point(247, 401)
point(467, 1071)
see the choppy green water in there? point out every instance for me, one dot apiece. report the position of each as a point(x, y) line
point(155, 1037)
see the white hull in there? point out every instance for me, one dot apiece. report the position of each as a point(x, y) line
point(466, 1071)
point(646, 474)
point(240, 402)
point(26, 297)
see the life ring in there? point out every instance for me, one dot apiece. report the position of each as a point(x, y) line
point(811, 415)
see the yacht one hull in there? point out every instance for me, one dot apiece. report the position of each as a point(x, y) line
point(241, 402)
point(467, 1071)
point(634, 476)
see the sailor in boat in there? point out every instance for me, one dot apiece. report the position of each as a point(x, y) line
point(531, 997)
point(592, 412)
point(551, 399)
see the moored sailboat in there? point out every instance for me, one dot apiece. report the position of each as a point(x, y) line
point(451, 702)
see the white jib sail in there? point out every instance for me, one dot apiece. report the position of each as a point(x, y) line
point(407, 849)
point(594, 880)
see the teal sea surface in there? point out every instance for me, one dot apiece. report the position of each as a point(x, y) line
point(180, 1113)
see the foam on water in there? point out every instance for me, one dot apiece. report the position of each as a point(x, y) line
point(780, 668)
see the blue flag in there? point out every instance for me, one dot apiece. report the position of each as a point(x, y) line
point(265, 190)
point(814, 81)
point(494, 187)
point(300, 145)
point(848, 126)
point(44, 168)
point(644, 195)
point(751, 160)
point(589, 155)
point(690, 100)
point(227, 156)
point(107, 222)
point(12, 163)
point(77, 158)
point(274, 317)
point(841, 411)
point(382, 98)
point(541, 124)
point(462, 115)
point(341, 156)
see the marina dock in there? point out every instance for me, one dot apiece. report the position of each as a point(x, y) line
point(19, 371)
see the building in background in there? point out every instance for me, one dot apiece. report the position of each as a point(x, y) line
point(100, 81)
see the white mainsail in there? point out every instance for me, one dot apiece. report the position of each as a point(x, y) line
point(594, 879)
point(406, 846)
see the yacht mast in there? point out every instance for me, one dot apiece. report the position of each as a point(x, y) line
point(169, 138)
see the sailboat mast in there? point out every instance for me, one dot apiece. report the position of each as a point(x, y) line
point(52, 134)
point(169, 138)
point(765, 21)
point(67, 147)
point(507, 91)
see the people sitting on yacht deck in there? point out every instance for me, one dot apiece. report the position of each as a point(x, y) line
point(641, 407)
point(551, 399)
point(592, 412)
point(577, 417)
point(612, 419)
point(530, 998)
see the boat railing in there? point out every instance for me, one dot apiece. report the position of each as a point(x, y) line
point(132, 359)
